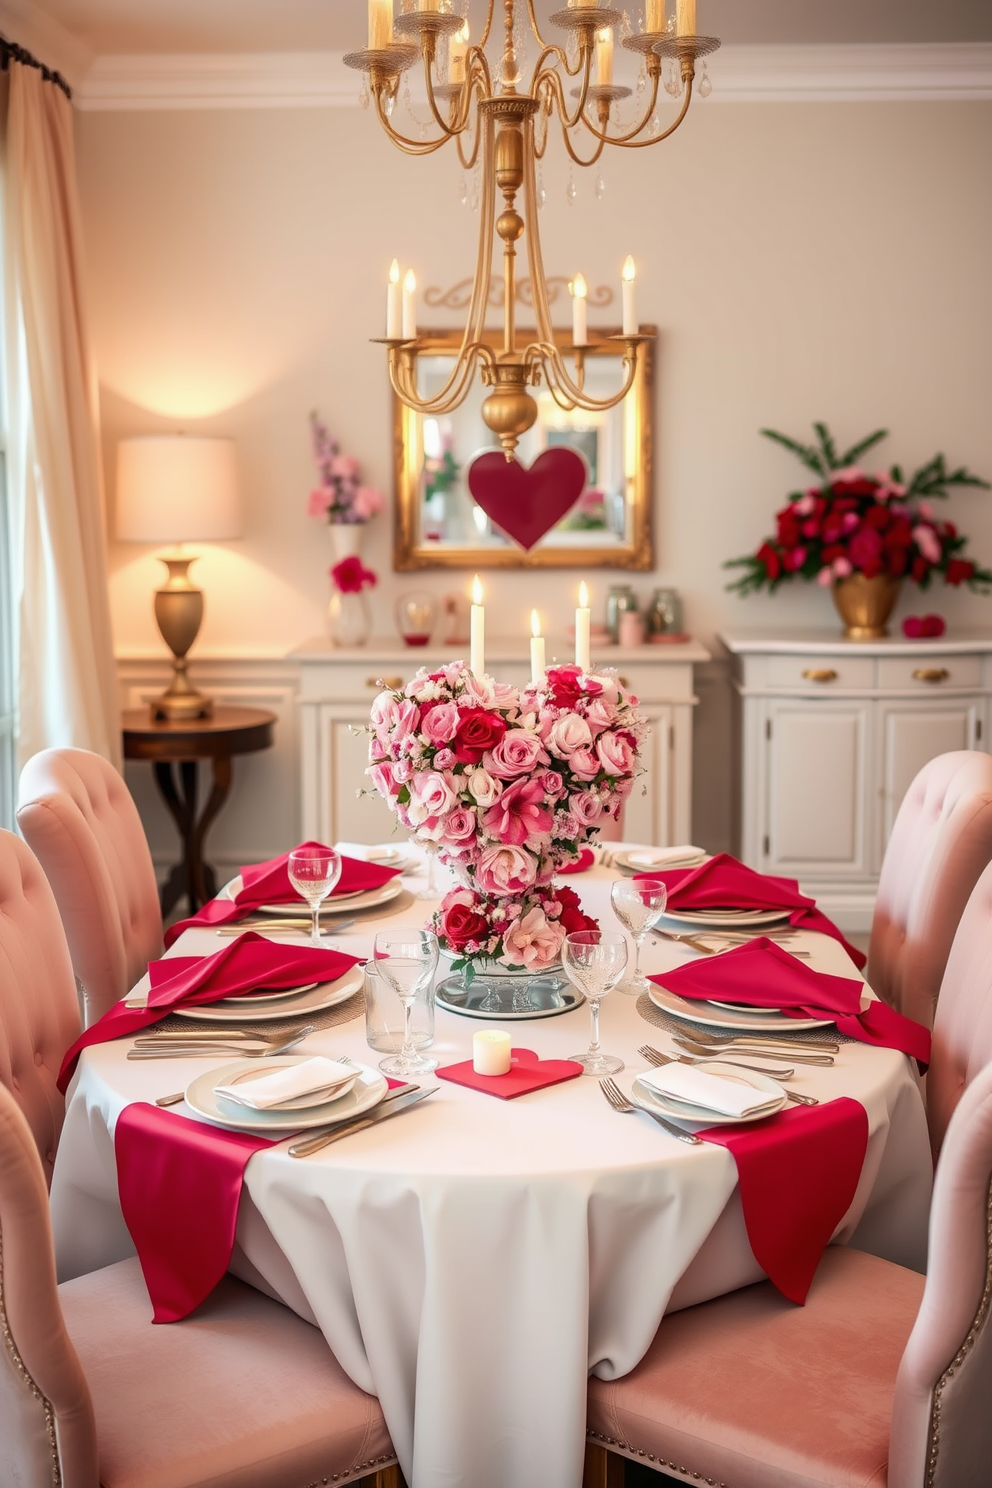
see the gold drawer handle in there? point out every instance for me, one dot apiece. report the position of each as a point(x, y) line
point(931, 674)
point(391, 683)
point(820, 674)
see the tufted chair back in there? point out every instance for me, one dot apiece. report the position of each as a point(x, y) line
point(47, 1430)
point(39, 1013)
point(962, 1030)
point(78, 817)
point(940, 844)
point(941, 1424)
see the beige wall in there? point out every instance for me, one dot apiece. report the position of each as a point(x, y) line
point(802, 261)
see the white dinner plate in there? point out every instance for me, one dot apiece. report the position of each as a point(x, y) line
point(358, 899)
point(726, 919)
point(367, 1091)
point(625, 862)
point(276, 994)
point(323, 1097)
point(740, 1007)
point(690, 1115)
point(762, 1020)
point(323, 995)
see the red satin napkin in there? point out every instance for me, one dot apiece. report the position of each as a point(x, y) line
point(761, 974)
point(268, 883)
point(527, 1072)
point(798, 1173)
point(726, 883)
point(585, 861)
point(248, 963)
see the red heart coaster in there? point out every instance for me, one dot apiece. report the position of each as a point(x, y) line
point(527, 503)
point(527, 1073)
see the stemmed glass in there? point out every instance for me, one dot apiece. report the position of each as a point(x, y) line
point(638, 904)
point(430, 889)
point(406, 960)
point(314, 873)
point(594, 961)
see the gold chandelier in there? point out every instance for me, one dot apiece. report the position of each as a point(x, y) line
point(504, 127)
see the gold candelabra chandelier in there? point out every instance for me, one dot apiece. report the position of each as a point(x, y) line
point(504, 126)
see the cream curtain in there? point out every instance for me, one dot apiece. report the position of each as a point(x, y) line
point(63, 646)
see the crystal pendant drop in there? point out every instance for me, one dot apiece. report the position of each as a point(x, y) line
point(542, 191)
point(642, 80)
point(388, 104)
point(600, 187)
point(363, 97)
point(571, 190)
point(705, 86)
point(655, 126)
point(463, 190)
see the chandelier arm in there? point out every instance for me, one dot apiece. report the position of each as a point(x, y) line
point(552, 78)
point(535, 260)
point(450, 396)
point(574, 155)
point(453, 129)
point(483, 39)
point(656, 139)
point(468, 161)
point(408, 146)
point(536, 28)
point(624, 139)
point(557, 373)
point(559, 58)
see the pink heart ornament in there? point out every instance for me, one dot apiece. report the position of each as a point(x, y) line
point(526, 503)
point(527, 1073)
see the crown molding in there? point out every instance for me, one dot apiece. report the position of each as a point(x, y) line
point(740, 74)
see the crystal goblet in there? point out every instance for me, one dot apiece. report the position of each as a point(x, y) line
point(594, 961)
point(407, 960)
point(314, 873)
point(638, 904)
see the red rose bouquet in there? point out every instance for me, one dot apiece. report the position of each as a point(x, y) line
point(350, 576)
point(853, 522)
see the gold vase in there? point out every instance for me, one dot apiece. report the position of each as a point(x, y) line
point(865, 605)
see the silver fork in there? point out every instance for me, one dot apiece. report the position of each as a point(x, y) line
point(210, 1050)
point(653, 1056)
point(760, 1042)
point(730, 1046)
point(619, 1102)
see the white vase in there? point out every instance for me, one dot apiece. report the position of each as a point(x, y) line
point(349, 616)
point(346, 539)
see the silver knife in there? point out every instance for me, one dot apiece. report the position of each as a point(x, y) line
point(394, 1107)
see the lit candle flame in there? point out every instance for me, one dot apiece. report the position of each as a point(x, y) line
point(394, 272)
point(629, 271)
point(476, 591)
point(535, 624)
point(583, 596)
point(578, 287)
point(409, 281)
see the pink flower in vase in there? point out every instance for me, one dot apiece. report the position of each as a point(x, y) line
point(519, 813)
point(516, 754)
point(615, 753)
point(439, 722)
point(584, 764)
point(505, 870)
point(568, 734)
point(533, 941)
point(586, 807)
point(457, 828)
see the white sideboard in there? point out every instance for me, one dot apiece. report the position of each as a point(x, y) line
point(336, 688)
point(831, 733)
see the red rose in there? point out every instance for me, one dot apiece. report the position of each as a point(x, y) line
point(478, 730)
point(770, 558)
point(865, 551)
point(897, 560)
point(832, 551)
point(959, 571)
point(350, 576)
point(920, 569)
point(460, 924)
point(865, 486)
point(563, 684)
point(878, 517)
point(788, 528)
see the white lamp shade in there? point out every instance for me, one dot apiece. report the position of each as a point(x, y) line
point(171, 489)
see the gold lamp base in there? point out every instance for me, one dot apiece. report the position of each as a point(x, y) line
point(179, 611)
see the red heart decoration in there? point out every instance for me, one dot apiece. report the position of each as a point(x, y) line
point(912, 627)
point(527, 503)
point(933, 626)
point(923, 627)
point(527, 1072)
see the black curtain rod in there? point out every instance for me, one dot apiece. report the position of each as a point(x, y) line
point(11, 52)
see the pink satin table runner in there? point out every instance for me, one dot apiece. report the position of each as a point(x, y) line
point(726, 883)
point(268, 883)
point(248, 963)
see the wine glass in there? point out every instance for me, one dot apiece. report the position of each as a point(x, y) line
point(314, 872)
point(594, 961)
point(638, 904)
point(430, 889)
point(406, 960)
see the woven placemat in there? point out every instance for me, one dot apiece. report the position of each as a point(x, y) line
point(332, 1017)
point(660, 1019)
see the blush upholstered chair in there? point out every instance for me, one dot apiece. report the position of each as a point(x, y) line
point(882, 1380)
point(940, 844)
point(39, 1011)
point(243, 1394)
point(962, 1031)
point(78, 817)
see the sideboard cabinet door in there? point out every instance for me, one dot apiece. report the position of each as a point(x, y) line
point(816, 786)
point(911, 735)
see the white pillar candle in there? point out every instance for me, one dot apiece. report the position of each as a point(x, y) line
point(629, 297)
point(380, 24)
point(409, 306)
point(580, 335)
point(491, 1052)
point(583, 622)
point(394, 303)
point(685, 17)
point(477, 654)
point(655, 21)
point(457, 47)
point(538, 658)
point(604, 57)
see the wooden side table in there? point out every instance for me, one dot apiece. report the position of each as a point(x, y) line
point(173, 749)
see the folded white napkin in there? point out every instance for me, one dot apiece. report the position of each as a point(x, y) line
point(379, 852)
point(292, 1082)
point(711, 1092)
point(657, 857)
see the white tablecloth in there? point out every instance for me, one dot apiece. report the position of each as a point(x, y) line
point(472, 1260)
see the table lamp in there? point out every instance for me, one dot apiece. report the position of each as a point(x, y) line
point(171, 489)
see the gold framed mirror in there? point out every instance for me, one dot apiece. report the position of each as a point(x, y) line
point(438, 525)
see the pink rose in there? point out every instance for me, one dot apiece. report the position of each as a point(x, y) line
point(483, 787)
point(584, 764)
point(615, 753)
point(601, 714)
point(457, 828)
point(430, 795)
point(439, 722)
point(568, 734)
point(928, 542)
point(398, 718)
point(516, 754)
point(382, 778)
point(586, 807)
point(551, 783)
point(842, 568)
point(366, 503)
point(402, 772)
point(533, 941)
point(318, 502)
point(519, 813)
point(444, 760)
point(505, 870)
point(825, 576)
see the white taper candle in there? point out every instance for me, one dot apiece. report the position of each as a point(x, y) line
point(477, 645)
point(583, 624)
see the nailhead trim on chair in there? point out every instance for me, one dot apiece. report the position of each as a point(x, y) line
point(19, 1365)
point(360, 1468)
point(933, 1446)
point(609, 1441)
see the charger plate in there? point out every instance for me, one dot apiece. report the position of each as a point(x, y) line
point(709, 1015)
point(686, 1113)
point(367, 1091)
point(320, 995)
point(297, 908)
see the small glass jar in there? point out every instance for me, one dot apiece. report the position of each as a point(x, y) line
point(619, 599)
point(664, 616)
point(416, 616)
point(384, 1015)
